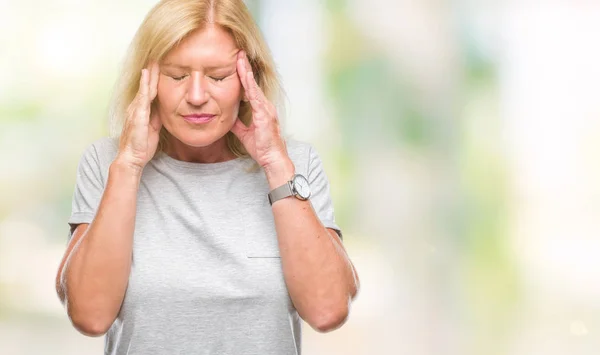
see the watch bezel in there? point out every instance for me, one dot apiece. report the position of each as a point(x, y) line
point(295, 190)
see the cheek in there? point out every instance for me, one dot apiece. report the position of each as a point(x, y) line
point(168, 96)
point(228, 97)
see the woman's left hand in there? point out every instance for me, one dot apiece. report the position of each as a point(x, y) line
point(262, 138)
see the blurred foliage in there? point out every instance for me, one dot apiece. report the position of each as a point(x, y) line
point(24, 110)
point(491, 283)
point(373, 103)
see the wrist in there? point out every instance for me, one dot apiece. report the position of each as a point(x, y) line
point(123, 179)
point(279, 173)
point(121, 166)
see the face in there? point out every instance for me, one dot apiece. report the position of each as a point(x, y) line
point(199, 90)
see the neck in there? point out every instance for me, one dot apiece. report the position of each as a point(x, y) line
point(215, 153)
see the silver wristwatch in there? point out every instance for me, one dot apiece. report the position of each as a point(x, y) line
point(298, 186)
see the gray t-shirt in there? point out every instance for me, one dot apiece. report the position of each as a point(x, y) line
point(206, 276)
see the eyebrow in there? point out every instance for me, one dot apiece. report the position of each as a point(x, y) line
point(185, 67)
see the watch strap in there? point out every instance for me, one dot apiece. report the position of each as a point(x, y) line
point(280, 192)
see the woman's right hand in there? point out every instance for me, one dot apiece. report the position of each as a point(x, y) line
point(139, 138)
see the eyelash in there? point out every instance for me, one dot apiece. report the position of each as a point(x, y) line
point(179, 78)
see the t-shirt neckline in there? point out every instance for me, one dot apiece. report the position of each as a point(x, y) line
point(205, 167)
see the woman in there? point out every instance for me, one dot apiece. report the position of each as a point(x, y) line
point(178, 245)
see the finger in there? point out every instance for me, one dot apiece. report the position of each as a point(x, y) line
point(154, 76)
point(241, 70)
point(259, 111)
point(247, 78)
point(142, 109)
point(251, 82)
point(136, 100)
point(271, 109)
point(143, 90)
point(131, 107)
point(263, 109)
point(155, 122)
point(253, 91)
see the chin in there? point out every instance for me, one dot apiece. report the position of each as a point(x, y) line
point(198, 139)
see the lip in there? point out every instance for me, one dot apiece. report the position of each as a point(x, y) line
point(199, 117)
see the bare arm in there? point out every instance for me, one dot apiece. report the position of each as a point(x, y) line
point(319, 275)
point(94, 272)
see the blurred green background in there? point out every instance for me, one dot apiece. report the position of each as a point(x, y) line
point(461, 138)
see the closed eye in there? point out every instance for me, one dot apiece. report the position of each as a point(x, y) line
point(217, 79)
point(179, 78)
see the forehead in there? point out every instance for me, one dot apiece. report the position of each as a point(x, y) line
point(207, 47)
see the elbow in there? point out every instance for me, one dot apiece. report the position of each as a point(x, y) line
point(88, 317)
point(89, 326)
point(355, 289)
point(60, 292)
point(59, 286)
point(329, 320)
point(89, 323)
point(354, 285)
point(91, 330)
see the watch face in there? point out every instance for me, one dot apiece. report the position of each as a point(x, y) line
point(301, 187)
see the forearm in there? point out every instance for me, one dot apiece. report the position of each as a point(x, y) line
point(95, 274)
point(319, 276)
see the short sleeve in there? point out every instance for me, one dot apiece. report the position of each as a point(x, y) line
point(320, 194)
point(88, 189)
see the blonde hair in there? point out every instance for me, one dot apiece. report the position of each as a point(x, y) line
point(165, 26)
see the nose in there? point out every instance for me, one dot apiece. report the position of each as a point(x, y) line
point(196, 91)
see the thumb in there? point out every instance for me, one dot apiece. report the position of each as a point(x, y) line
point(155, 122)
point(239, 129)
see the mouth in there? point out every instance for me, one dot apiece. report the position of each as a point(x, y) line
point(199, 117)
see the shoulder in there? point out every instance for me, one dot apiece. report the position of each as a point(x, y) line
point(299, 149)
point(101, 152)
point(105, 147)
point(300, 152)
point(305, 157)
